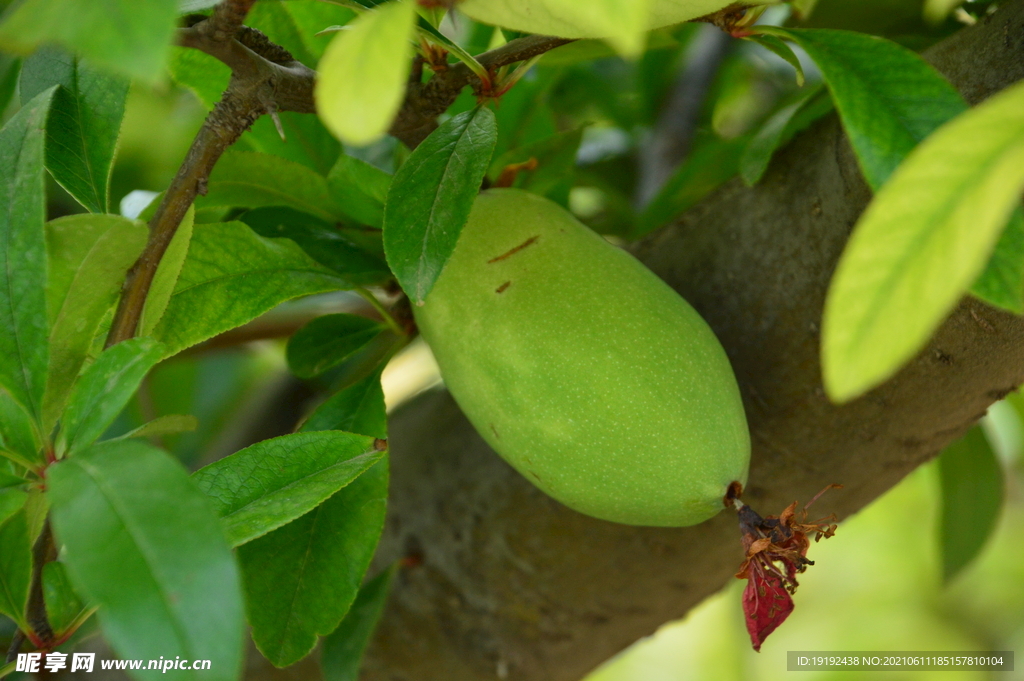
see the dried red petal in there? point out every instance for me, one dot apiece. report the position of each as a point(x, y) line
point(766, 604)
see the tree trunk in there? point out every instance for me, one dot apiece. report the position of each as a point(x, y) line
point(510, 584)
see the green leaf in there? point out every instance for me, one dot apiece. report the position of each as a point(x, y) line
point(8, 479)
point(368, 63)
point(779, 129)
point(328, 341)
point(783, 51)
point(920, 244)
point(63, 605)
point(18, 434)
point(343, 648)
point(230, 277)
point(84, 123)
point(301, 579)
point(556, 165)
point(167, 274)
point(10, 69)
point(143, 544)
point(273, 482)
point(972, 496)
point(103, 391)
point(246, 179)
point(130, 37)
point(888, 97)
point(15, 567)
point(306, 140)
point(1001, 283)
point(24, 327)
point(331, 546)
point(358, 408)
point(431, 196)
point(89, 256)
point(206, 76)
point(360, 190)
point(330, 245)
point(11, 501)
point(170, 424)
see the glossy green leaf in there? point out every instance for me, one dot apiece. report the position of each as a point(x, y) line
point(15, 567)
point(89, 256)
point(84, 123)
point(362, 75)
point(8, 480)
point(10, 69)
point(431, 196)
point(103, 391)
point(24, 327)
point(331, 546)
point(167, 274)
point(246, 179)
point(360, 190)
point(170, 424)
point(205, 76)
point(556, 165)
point(230, 277)
point(128, 36)
point(18, 434)
point(329, 244)
point(273, 482)
point(920, 244)
point(358, 408)
point(64, 606)
point(306, 140)
point(11, 501)
point(780, 129)
point(343, 648)
point(163, 588)
point(1001, 283)
point(783, 51)
point(972, 497)
point(888, 97)
point(301, 579)
point(328, 341)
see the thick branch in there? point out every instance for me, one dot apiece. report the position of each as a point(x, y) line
point(513, 585)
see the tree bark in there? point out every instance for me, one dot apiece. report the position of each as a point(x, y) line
point(511, 585)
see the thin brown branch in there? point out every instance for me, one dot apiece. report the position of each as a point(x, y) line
point(258, 85)
point(227, 18)
point(43, 551)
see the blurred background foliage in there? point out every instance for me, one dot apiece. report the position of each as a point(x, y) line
point(878, 585)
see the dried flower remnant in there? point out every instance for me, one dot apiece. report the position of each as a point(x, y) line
point(776, 550)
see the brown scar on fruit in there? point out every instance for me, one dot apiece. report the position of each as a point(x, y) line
point(501, 289)
point(529, 242)
point(494, 430)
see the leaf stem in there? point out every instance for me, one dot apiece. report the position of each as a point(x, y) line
point(383, 311)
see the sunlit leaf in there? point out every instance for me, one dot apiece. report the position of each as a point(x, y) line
point(363, 73)
point(920, 244)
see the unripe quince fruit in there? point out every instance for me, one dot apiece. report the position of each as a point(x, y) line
point(586, 372)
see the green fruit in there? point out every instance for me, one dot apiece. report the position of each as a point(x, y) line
point(586, 18)
point(585, 371)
